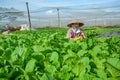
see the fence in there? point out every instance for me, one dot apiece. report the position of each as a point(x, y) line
point(50, 17)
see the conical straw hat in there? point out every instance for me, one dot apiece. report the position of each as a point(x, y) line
point(75, 21)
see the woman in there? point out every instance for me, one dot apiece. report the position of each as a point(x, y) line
point(74, 31)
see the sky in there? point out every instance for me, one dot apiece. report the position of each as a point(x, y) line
point(44, 12)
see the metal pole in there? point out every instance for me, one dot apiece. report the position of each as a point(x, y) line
point(95, 21)
point(49, 23)
point(28, 16)
point(58, 18)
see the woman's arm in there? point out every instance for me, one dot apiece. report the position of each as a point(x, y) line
point(69, 34)
point(83, 34)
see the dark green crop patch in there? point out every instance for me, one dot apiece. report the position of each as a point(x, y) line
point(48, 55)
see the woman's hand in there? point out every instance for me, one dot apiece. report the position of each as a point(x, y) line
point(81, 38)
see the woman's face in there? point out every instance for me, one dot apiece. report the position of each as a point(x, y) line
point(75, 25)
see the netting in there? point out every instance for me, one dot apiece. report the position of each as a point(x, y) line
point(92, 14)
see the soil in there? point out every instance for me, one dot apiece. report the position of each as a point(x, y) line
point(109, 34)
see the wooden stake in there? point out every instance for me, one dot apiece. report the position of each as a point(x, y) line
point(58, 18)
point(29, 20)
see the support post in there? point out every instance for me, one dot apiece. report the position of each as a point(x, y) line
point(29, 20)
point(58, 18)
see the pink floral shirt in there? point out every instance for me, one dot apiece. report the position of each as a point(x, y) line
point(71, 34)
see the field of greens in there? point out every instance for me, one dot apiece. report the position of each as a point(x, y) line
point(46, 54)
